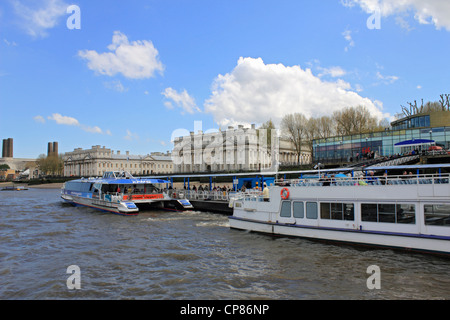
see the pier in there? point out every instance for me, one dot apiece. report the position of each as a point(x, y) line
point(217, 199)
point(214, 196)
point(212, 201)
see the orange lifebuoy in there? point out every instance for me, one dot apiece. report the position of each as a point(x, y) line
point(284, 193)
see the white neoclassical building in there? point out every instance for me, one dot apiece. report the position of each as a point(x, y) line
point(288, 156)
point(235, 149)
point(97, 160)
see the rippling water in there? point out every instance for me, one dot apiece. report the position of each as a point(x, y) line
point(187, 255)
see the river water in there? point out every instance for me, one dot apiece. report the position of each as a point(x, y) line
point(161, 255)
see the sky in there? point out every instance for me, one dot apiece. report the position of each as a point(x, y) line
point(131, 75)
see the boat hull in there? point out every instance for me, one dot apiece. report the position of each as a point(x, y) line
point(368, 238)
point(116, 208)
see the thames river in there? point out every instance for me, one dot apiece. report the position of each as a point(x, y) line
point(161, 255)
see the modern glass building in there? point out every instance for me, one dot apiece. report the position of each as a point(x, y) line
point(426, 129)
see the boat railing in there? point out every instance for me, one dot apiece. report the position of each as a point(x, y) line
point(112, 197)
point(405, 179)
point(119, 196)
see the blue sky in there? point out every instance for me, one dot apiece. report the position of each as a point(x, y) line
point(137, 71)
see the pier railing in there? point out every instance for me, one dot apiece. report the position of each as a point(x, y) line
point(210, 195)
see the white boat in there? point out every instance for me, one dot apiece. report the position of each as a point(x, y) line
point(117, 192)
point(400, 212)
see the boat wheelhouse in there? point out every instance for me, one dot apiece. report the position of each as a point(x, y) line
point(397, 211)
point(117, 192)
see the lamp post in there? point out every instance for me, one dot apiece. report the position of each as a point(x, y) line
point(431, 139)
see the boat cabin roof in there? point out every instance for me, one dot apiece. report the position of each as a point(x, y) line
point(122, 177)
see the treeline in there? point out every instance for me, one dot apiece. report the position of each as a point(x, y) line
point(51, 165)
point(301, 131)
point(413, 108)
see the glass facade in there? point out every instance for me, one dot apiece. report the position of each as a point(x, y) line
point(415, 122)
point(348, 148)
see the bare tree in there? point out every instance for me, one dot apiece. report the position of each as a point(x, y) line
point(268, 129)
point(353, 120)
point(50, 165)
point(442, 105)
point(445, 102)
point(294, 127)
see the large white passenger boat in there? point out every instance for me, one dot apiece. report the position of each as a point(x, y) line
point(409, 212)
point(117, 192)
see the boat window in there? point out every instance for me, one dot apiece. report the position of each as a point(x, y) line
point(325, 211)
point(406, 213)
point(388, 213)
point(78, 186)
point(437, 215)
point(311, 210)
point(337, 211)
point(369, 212)
point(299, 209)
point(349, 211)
point(285, 209)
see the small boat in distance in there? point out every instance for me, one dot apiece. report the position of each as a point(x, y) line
point(408, 212)
point(116, 192)
point(14, 188)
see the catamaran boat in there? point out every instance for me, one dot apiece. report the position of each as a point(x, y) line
point(409, 212)
point(117, 192)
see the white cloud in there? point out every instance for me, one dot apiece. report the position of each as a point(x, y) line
point(348, 36)
point(115, 85)
point(131, 136)
point(401, 21)
point(386, 79)
point(9, 43)
point(60, 119)
point(254, 92)
point(92, 129)
point(70, 121)
point(358, 88)
point(134, 60)
point(181, 99)
point(37, 17)
point(334, 72)
point(436, 12)
point(39, 119)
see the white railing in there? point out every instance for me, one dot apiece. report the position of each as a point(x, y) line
point(408, 179)
point(396, 162)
